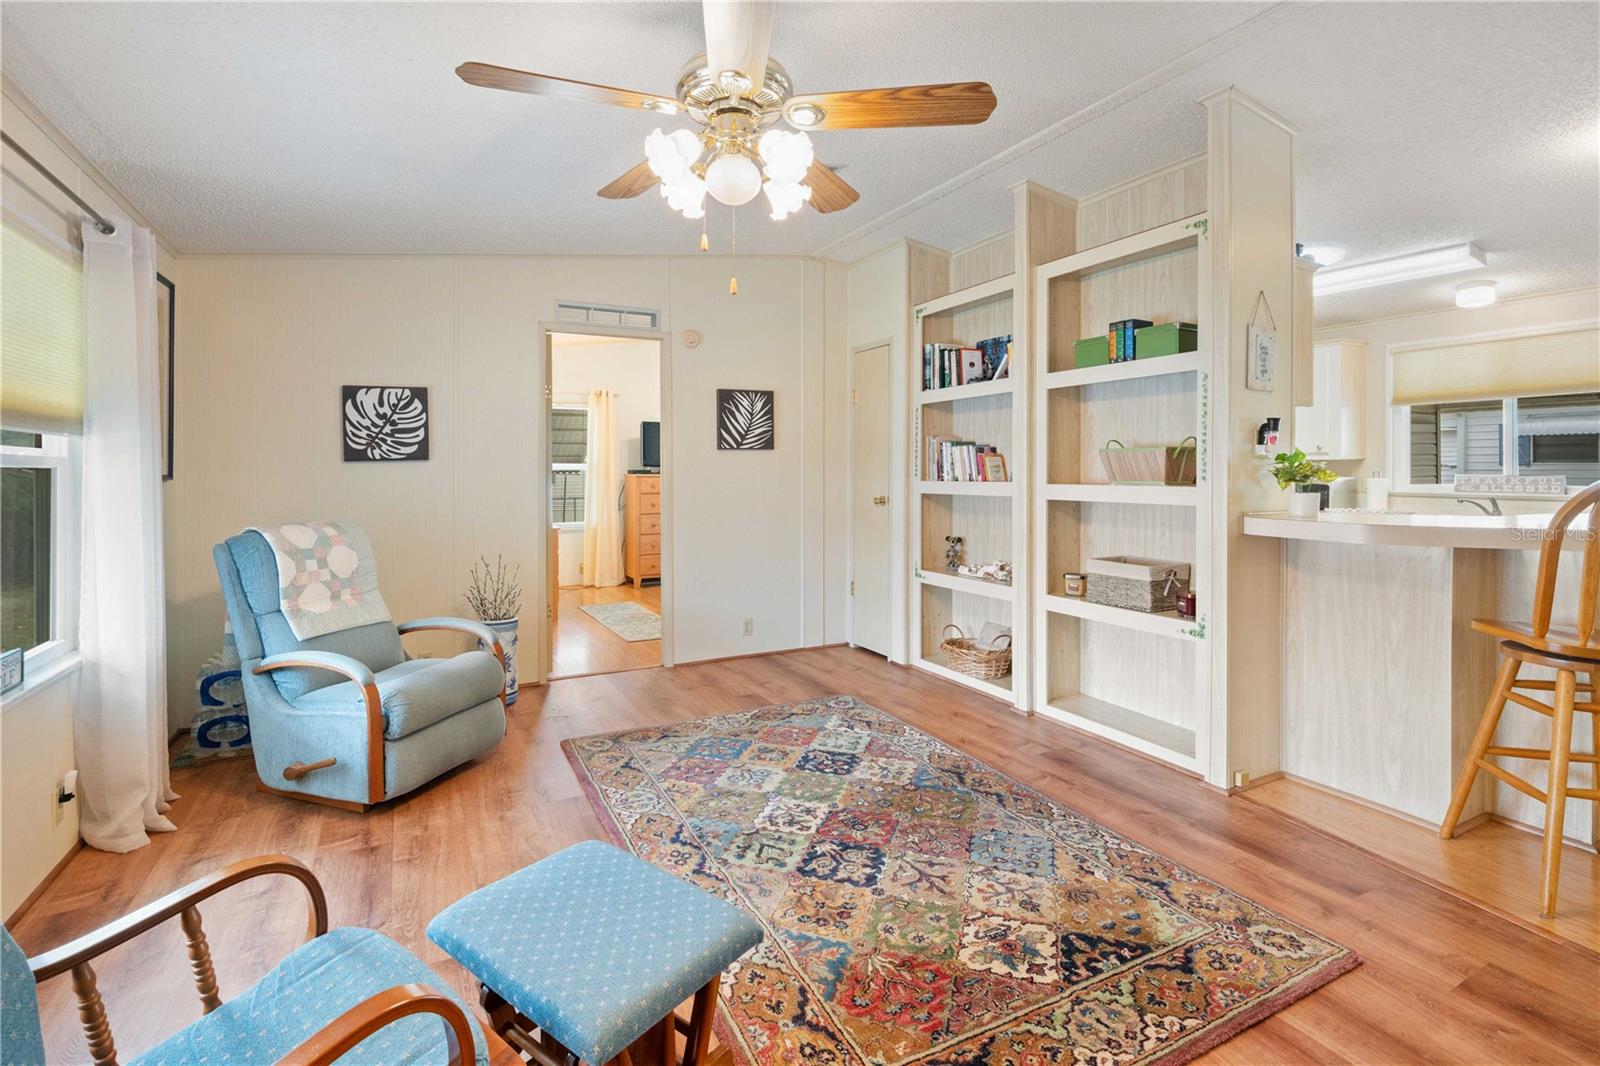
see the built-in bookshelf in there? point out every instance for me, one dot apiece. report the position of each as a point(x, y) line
point(986, 300)
point(1140, 679)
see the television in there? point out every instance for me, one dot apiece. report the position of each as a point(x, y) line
point(650, 445)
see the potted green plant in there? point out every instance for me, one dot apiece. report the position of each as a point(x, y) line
point(1304, 479)
point(495, 596)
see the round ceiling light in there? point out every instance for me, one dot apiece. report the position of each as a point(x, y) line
point(733, 179)
point(1471, 294)
point(1323, 254)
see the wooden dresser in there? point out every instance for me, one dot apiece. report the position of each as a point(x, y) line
point(642, 534)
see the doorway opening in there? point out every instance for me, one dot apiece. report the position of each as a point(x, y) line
point(605, 490)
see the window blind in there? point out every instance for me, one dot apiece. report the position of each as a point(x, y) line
point(569, 435)
point(1542, 365)
point(41, 335)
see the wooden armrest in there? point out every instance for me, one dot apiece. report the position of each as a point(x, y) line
point(477, 630)
point(86, 947)
point(367, 1017)
point(354, 669)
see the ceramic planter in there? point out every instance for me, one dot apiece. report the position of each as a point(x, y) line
point(1304, 504)
point(506, 631)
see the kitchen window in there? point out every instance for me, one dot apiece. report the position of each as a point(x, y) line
point(569, 464)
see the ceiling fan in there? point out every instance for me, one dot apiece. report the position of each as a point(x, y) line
point(735, 93)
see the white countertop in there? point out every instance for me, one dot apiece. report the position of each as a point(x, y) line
point(1504, 532)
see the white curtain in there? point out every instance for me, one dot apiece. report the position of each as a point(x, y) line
point(120, 726)
point(602, 532)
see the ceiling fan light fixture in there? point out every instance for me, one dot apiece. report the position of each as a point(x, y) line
point(735, 82)
point(805, 115)
point(786, 198)
point(733, 179)
point(787, 156)
point(687, 196)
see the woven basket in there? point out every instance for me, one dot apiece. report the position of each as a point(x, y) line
point(1163, 464)
point(963, 655)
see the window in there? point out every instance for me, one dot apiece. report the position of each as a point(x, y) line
point(1554, 436)
point(38, 543)
point(569, 457)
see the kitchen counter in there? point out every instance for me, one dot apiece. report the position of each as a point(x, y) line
point(1384, 679)
point(1495, 532)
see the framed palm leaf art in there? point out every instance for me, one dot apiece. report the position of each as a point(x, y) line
point(385, 423)
point(744, 420)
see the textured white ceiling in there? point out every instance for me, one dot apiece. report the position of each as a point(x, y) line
point(342, 128)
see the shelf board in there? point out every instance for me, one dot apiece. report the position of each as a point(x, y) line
point(1164, 495)
point(1183, 363)
point(1003, 387)
point(1153, 736)
point(1143, 245)
point(977, 586)
point(1164, 624)
point(964, 488)
point(981, 293)
point(999, 689)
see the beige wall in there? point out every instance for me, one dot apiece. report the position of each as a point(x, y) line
point(1526, 313)
point(266, 342)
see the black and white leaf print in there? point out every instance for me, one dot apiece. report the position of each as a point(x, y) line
point(744, 420)
point(385, 423)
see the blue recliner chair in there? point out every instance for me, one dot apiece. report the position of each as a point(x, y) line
point(345, 718)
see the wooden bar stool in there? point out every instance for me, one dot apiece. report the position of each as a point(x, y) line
point(1569, 652)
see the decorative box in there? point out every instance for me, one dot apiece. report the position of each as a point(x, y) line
point(1137, 584)
point(1167, 338)
point(1091, 351)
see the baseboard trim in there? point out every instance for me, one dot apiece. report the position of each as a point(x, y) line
point(49, 879)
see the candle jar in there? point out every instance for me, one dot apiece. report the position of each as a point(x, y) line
point(1186, 605)
point(1074, 584)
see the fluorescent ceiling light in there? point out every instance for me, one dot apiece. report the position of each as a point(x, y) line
point(1450, 260)
point(1471, 294)
point(1324, 255)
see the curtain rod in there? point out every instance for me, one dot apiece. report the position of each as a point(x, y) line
point(100, 221)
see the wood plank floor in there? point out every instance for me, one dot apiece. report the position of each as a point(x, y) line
point(584, 646)
point(1443, 981)
point(1493, 863)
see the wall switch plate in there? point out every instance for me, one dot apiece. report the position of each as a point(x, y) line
point(749, 627)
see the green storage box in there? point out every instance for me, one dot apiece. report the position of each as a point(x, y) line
point(1166, 338)
point(1091, 351)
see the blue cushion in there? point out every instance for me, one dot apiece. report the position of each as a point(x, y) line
point(593, 944)
point(21, 1042)
point(307, 990)
point(418, 693)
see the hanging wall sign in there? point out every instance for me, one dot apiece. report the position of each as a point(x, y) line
point(385, 423)
point(1261, 346)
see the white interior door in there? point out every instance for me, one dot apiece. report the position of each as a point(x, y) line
point(869, 500)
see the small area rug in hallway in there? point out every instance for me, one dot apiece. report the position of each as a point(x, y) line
point(630, 621)
point(922, 907)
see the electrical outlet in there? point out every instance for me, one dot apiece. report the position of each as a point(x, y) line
point(57, 808)
point(749, 627)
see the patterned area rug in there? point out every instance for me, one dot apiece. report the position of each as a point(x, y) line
point(628, 620)
point(922, 907)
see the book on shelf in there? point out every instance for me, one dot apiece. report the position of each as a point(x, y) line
point(946, 365)
point(1120, 338)
point(954, 459)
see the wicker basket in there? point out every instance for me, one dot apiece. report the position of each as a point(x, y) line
point(1135, 584)
point(1164, 464)
point(963, 655)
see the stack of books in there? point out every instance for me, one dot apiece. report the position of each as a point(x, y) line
point(947, 365)
point(1120, 339)
point(953, 459)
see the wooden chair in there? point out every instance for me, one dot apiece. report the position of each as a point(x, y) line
point(387, 978)
point(1569, 652)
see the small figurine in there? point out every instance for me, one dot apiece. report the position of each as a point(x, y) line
point(952, 552)
point(999, 570)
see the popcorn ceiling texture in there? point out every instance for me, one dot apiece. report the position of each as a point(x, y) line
point(341, 128)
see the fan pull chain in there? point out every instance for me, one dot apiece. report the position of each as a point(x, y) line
point(705, 245)
point(733, 229)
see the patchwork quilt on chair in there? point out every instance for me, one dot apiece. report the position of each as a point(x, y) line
point(327, 577)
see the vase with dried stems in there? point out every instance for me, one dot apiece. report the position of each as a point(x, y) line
point(495, 595)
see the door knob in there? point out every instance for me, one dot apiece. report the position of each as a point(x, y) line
point(880, 501)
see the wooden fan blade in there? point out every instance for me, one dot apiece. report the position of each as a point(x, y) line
point(524, 81)
point(961, 103)
point(737, 35)
point(634, 183)
point(829, 192)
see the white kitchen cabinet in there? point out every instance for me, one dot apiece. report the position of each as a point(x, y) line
point(1334, 426)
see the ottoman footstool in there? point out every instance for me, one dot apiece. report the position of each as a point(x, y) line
point(595, 948)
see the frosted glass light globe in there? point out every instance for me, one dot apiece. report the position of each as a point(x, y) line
point(733, 179)
point(787, 155)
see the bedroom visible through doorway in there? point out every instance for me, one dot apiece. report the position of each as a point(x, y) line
point(605, 503)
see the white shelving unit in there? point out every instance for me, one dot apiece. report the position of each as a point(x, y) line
point(1140, 679)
